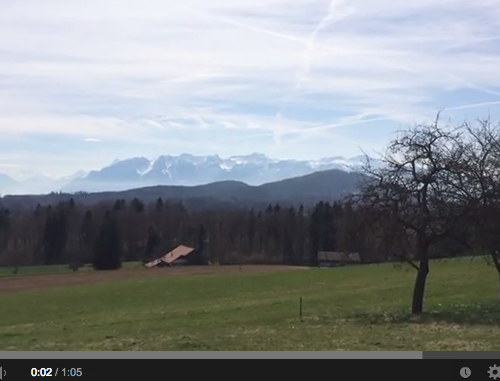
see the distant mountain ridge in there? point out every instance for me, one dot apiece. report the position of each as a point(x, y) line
point(309, 189)
point(35, 183)
point(192, 170)
point(184, 169)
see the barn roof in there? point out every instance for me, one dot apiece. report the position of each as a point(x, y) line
point(336, 256)
point(178, 252)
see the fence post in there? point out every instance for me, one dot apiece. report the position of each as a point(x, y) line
point(300, 309)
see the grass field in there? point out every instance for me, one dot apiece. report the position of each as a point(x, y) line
point(351, 308)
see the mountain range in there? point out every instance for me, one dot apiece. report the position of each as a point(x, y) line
point(179, 170)
point(328, 185)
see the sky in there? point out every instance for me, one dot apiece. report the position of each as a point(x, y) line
point(84, 83)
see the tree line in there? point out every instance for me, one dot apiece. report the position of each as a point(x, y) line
point(106, 234)
point(73, 234)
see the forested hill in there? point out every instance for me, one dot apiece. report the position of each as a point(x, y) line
point(309, 189)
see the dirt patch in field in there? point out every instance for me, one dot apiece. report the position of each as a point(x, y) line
point(23, 283)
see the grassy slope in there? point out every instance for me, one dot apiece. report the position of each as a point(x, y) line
point(356, 308)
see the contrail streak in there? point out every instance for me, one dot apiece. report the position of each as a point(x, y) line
point(343, 124)
point(473, 105)
point(307, 56)
point(308, 129)
point(472, 85)
point(238, 24)
point(198, 76)
point(261, 30)
point(464, 80)
point(472, 42)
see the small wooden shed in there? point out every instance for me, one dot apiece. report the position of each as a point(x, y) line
point(335, 258)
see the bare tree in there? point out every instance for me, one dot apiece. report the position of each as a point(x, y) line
point(419, 190)
point(482, 176)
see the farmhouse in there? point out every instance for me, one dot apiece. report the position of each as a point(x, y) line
point(333, 259)
point(181, 255)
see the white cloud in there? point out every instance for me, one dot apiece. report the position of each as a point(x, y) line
point(197, 74)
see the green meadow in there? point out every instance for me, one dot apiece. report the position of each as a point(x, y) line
point(349, 308)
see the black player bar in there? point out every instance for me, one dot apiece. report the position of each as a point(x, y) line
point(345, 369)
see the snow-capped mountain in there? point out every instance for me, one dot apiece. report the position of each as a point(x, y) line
point(189, 170)
point(184, 169)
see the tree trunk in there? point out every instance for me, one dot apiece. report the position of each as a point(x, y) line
point(498, 287)
point(417, 306)
point(496, 262)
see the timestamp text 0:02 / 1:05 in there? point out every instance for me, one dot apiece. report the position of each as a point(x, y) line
point(49, 372)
